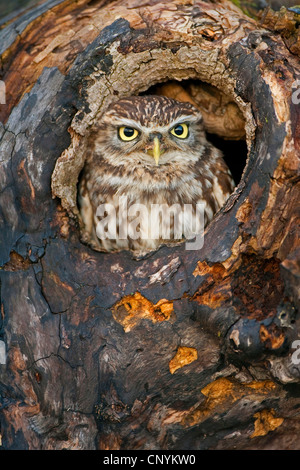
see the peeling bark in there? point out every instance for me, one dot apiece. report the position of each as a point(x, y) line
point(184, 349)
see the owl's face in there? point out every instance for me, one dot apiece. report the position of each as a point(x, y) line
point(149, 130)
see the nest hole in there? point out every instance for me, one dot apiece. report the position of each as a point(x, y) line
point(224, 124)
point(223, 121)
point(235, 154)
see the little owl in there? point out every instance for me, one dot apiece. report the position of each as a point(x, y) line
point(147, 160)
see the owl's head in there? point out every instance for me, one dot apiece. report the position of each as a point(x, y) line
point(149, 130)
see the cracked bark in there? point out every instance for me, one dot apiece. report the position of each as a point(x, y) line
point(182, 349)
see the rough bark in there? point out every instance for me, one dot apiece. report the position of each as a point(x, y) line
point(185, 349)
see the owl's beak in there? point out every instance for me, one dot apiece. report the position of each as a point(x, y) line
point(156, 150)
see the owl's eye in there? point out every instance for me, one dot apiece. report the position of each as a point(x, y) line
point(181, 131)
point(128, 133)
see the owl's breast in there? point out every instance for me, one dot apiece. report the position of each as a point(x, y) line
point(137, 207)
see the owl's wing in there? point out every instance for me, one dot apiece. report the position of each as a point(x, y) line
point(223, 183)
point(86, 209)
point(87, 215)
point(216, 181)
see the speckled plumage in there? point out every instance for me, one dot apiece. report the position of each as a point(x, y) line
point(190, 170)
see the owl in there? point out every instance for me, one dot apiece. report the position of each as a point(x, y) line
point(150, 176)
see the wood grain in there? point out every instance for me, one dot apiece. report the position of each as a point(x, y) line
point(90, 336)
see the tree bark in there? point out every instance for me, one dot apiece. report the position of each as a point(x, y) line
point(183, 349)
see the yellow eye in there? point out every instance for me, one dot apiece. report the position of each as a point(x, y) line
point(128, 133)
point(181, 131)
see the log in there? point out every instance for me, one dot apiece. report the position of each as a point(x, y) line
point(182, 349)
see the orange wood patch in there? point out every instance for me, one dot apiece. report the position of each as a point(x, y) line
point(183, 357)
point(223, 393)
point(133, 308)
point(265, 421)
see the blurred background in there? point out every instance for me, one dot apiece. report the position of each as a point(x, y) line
point(276, 4)
point(10, 7)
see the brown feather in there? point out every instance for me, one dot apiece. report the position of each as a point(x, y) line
point(191, 170)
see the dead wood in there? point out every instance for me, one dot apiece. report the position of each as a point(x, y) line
point(185, 349)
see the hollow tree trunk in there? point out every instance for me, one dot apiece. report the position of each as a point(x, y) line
point(184, 349)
